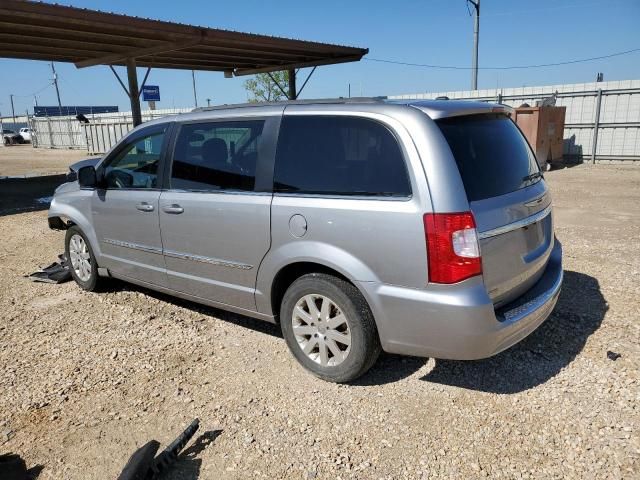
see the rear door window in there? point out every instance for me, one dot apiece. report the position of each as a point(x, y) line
point(492, 155)
point(339, 156)
point(216, 156)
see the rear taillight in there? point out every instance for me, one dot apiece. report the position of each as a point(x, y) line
point(452, 247)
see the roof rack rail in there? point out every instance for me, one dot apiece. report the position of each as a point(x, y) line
point(339, 100)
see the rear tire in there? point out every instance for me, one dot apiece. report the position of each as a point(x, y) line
point(82, 261)
point(329, 327)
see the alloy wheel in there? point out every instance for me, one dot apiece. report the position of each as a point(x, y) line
point(321, 330)
point(80, 257)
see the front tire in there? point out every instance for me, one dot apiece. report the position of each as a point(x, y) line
point(329, 327)
point(82, 261)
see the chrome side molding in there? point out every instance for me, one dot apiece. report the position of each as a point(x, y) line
point(133, 246)
point(180, 255)
point(212, 261)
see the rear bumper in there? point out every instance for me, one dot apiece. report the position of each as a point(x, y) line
point(459, 321)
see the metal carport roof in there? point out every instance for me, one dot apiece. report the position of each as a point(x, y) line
point(41, 31)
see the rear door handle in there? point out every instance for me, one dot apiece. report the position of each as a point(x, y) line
point(144, 207)
point(174, 209)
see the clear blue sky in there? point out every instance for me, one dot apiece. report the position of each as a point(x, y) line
point(514, 32)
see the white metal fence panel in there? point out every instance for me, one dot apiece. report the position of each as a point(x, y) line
point(616, 132)
point(617, 136)
point(98, 136)
point(102, 136)
point(57, 132)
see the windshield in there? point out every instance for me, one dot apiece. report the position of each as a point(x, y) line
point(492, 155)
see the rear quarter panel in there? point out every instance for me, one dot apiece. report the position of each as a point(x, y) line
point(366, 239)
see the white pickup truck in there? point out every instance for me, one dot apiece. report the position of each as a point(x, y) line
point(25, 133)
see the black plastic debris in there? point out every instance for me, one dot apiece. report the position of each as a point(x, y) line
point(143, 466)
point(140, 465)
point(57, 272)
point(613, 355)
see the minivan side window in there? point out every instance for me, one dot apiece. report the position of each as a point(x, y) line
point(216, 156)
point(136, 165)
point(339, 155)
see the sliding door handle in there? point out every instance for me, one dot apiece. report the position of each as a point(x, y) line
point(144, 207)
point(173, 208)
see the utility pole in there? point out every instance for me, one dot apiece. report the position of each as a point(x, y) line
point(13, 113)
point(476, 31)
point(55, 82)
point(35, 100)
point(195, 96)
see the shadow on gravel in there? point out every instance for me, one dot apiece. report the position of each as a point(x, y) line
point(235, 318)
point(187, 466)
point(27, 194)
point(539, 357)
point(390, 368)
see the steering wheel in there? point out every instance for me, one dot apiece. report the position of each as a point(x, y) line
point(119, 179)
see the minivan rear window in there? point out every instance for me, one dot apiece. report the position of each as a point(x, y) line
point(492, 155)
point(339, 155)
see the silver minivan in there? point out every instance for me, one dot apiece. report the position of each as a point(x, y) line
point(416, 227)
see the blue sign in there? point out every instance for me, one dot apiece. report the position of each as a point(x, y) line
point(151, 93)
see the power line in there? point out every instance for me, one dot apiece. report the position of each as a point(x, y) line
point(514, 67)
point(547, 9)
point(36, 92)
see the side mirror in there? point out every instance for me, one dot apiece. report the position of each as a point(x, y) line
point(87, 177)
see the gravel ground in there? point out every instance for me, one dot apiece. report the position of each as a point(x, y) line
point(26, 160)
point(87, 378)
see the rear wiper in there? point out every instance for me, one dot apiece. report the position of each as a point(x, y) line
point(532, 177)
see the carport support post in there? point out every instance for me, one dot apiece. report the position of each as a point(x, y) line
point(292, 84)
point(134, 93)
point(596, 126)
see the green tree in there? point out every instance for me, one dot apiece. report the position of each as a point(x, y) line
point(262, 88)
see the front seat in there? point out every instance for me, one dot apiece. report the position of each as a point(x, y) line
point(215, 154)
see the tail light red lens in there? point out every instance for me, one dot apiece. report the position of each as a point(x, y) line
point(452, 247)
